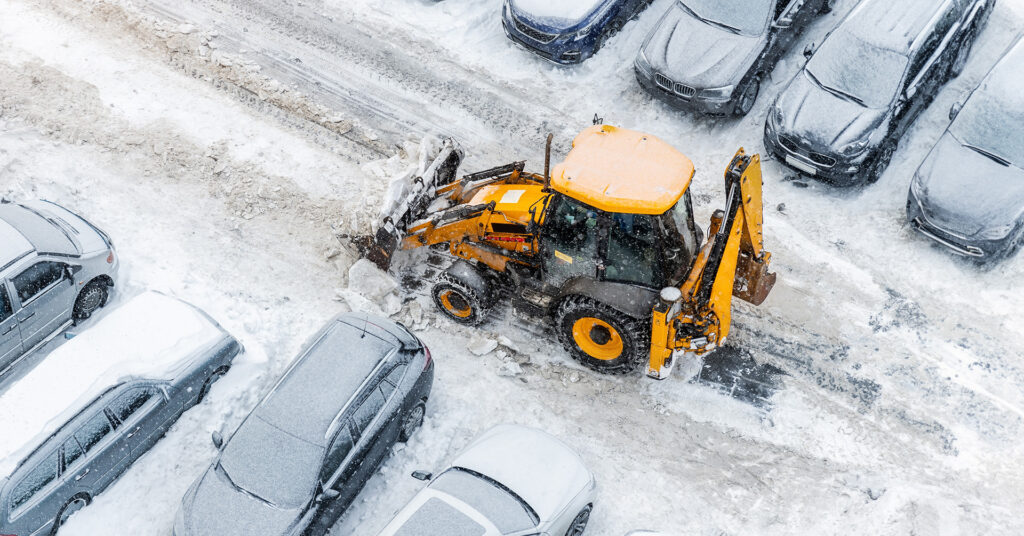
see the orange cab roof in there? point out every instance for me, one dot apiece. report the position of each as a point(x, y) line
point(619, 170)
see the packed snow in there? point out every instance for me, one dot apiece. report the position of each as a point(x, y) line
point(224, 143)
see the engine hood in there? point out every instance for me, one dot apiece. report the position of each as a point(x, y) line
point(220, 509)
point(965, 192)
point(824, 120)
point(697, 54)
point(558, 15)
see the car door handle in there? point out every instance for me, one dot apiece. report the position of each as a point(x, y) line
point(24, 318)
point(81, 475)
point(10, 329)
point(133, 432)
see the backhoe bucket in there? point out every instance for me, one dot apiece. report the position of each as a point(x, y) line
point(753, 281)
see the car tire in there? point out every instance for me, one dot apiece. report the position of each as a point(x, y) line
point(613, 28)
point(746, 100)
point(208, 384)
point(579, 523)
point(412, 421)
point(458, 301)
point(956, 67)
point(601, 338)
point(92, 297)
point(73, 505)
point(881, 161)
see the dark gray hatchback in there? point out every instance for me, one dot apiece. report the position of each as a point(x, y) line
point(304, 453)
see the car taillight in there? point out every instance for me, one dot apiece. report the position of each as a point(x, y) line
point(110, 258)
point(430, 359)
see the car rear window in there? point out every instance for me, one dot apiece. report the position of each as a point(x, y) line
point(438, 518)
point(507, 511)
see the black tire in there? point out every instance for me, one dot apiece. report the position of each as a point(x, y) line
point(579, 523)
point(881, 161)
point(208, 384)
point(412, 421)
point(617, 343)
point(745, 102)
point(956, 67)
point(458, 301)
point(613, 28)
point(92, 297)
point(73, 505)
point(826, 7)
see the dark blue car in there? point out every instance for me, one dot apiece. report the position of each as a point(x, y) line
point(567, 31)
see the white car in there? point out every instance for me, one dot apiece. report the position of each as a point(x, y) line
point(511, 481)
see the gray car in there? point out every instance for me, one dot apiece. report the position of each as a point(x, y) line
point(711, 55)
point(841, 118)
point(80, 418)
point(55, 268)
point(968, 195)
point(304, 453)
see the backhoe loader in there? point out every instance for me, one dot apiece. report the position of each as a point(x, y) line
point(604, 244)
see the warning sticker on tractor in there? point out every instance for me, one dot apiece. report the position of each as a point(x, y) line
point(563, 257)
point(512, 196)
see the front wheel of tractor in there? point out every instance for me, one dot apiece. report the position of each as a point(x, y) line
point(600, 337)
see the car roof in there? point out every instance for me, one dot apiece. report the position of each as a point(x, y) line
point(535, 465)
point(13, 244)
point(44, 236)
point(318, 387)
point(153, 336)
point(893, 25)
point(619, 170)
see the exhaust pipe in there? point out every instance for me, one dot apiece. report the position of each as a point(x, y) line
point(547, 164)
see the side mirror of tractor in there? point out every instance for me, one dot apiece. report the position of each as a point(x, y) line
point(218, 440)
point(422, 475)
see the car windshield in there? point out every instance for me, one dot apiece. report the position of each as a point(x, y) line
point(858, 71)
point(438, 518)
point(744, 17)
point(507, 511)
point(271, 464)
point(991, 120)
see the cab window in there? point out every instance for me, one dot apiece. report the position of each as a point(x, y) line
point(42, 474)
point(72, 452)
point(632, 255)
point(570, 239)
point(129, 402)
point(93, 431)
point(37, 278)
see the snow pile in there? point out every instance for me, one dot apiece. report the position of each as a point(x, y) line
point(370, 290)
point(151, 336)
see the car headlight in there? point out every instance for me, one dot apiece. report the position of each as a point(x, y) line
point(717, 92)
point(996, 233)
point(855, 148)
point(642, 63)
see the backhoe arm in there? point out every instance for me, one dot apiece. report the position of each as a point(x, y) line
point(696, 316)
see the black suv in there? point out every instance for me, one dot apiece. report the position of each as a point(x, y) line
point(842, 116)
point(710, 55)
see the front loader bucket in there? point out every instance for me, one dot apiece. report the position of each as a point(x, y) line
point(753, 280)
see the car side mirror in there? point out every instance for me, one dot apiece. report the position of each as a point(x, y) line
point(954, 110)
point(782, 23)
point(422, 475)
point(809, 51)
point(328, 495)
point(218, 440)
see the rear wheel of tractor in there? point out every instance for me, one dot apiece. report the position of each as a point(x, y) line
point(75, 504)
point(457, 301)
point(579, 523)
point(92, 297)
point(746, 100)
point(600, 337)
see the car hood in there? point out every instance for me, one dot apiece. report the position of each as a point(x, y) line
point(220, 509)
point(87, 238)
point(822, 119)
point(558, 15)
point(545, 472)
point(698, 54)
point(965, 192)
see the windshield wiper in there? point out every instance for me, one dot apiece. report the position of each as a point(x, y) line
point(722, 25)
point(224, 472)
point(991, 156)
point(837, 92)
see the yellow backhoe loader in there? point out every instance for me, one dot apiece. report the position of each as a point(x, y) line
point(604, 244)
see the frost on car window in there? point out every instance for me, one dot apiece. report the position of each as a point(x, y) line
point(991, 119)
point(438, 518)
point(499, 506)
point(741, 16)
point(858, 70)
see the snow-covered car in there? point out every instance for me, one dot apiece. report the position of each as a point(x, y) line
point(711, 55)
point(566, 31)
point(304, 453)
point(55, 268)
point(842, 116)
point(512, 481)
point(968, 194)
point(80, 418)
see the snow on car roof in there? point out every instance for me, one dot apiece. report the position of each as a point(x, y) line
point(14, 244)
point(151, 336)
point(537, 466)
point(569, 10)
point(892, 25)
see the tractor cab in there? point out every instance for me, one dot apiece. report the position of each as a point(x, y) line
point(621, 212)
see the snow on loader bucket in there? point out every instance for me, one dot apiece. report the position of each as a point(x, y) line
point(587, 244)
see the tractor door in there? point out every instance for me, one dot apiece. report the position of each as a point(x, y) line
point(569, 241)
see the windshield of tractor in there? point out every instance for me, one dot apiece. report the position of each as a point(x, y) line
point(632, 255)
point(570, 240)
